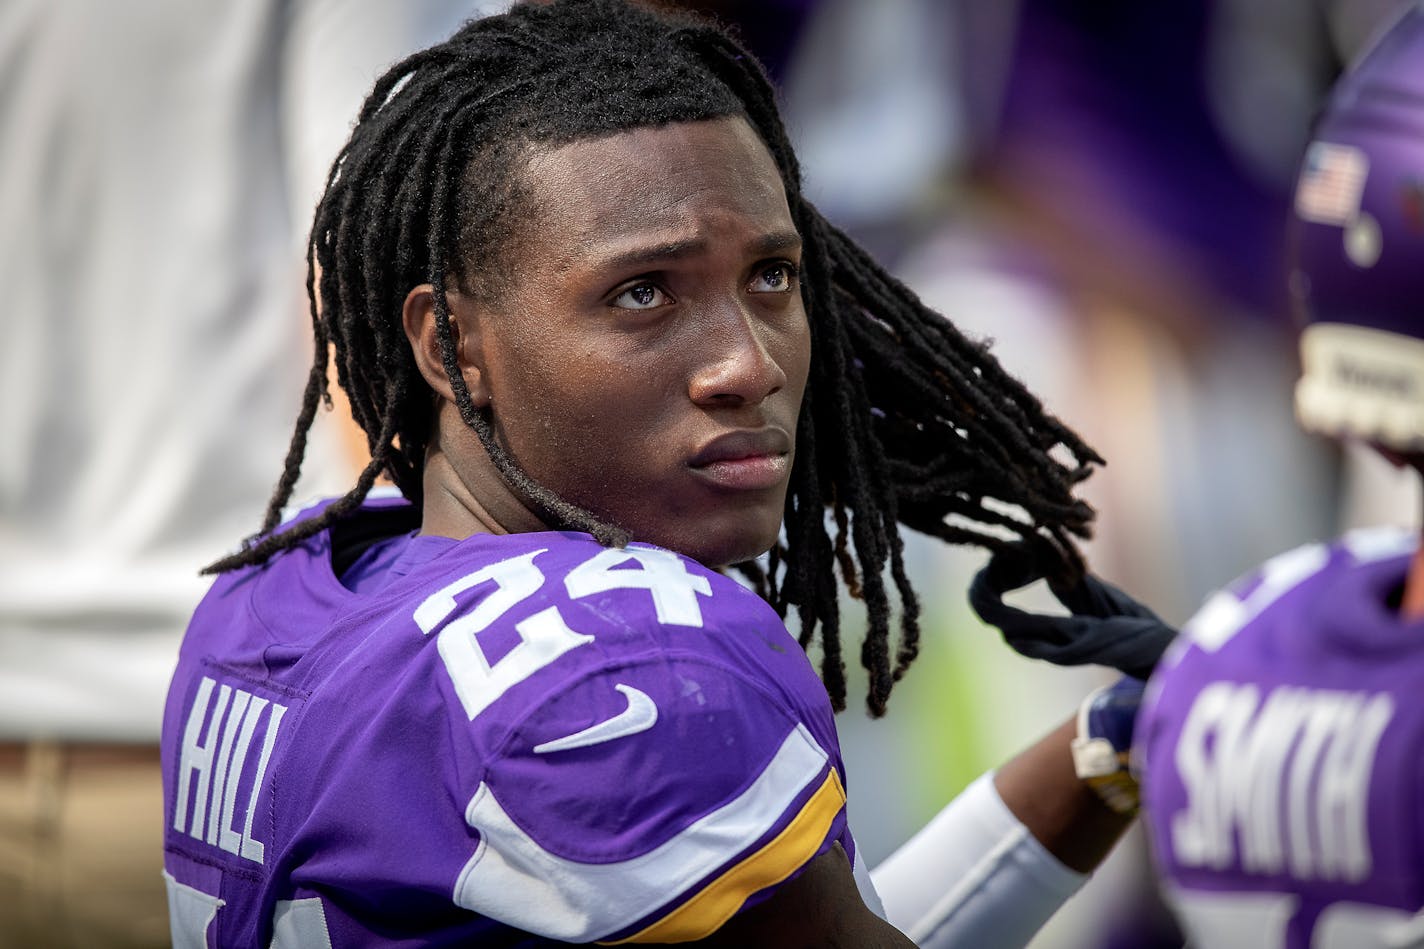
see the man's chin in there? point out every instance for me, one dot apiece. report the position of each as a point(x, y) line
point(735, 548)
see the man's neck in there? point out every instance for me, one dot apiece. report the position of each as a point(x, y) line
point(465, 495)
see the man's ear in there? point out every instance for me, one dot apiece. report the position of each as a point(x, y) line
point(422, 329)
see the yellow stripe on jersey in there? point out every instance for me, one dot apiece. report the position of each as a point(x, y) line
point(513, 879)
point(783, 855)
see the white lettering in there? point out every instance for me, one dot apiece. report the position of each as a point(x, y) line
point(1257, 792)
point(252, 848)
point(220, 764)
point(198, 757)
point(1345, 789)
point(1280, 784)
point(220, 772)
point(1207, 749)
point(1320, 724)
point(229, 839)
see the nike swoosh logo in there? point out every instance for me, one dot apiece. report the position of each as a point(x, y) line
point(640, 715)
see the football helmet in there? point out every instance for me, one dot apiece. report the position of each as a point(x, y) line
point(1358, 249)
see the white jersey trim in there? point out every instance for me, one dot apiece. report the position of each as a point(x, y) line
point(513, 879)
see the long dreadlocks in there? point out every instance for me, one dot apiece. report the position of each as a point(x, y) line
point(905, 421)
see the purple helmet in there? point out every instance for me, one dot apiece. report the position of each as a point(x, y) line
point(1359, 249)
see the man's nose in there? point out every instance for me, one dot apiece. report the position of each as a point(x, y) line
point(740, 369)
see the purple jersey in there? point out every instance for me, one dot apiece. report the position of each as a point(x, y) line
point(516, 740)
point(1280, 743)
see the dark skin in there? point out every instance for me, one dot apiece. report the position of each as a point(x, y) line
point(646, 349)
point(1411, 604)
point(644, 355)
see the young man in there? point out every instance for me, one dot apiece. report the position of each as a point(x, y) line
point(604, 348)
point(1280, 740)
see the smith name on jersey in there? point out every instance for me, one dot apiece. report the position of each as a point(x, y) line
point(1281, 746)
point(501, 741)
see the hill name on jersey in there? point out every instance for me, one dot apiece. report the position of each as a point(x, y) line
point(214, 766)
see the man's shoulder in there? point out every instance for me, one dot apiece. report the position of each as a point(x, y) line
point(515, 618)
point(1318, 617)
point(1285, 717)
point(621, 723)
point(631, 601)
point(1314, 588)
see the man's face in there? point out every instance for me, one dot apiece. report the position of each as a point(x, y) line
point(646, 351)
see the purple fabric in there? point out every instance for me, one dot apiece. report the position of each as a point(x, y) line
point(1106, 114)
point(390, 559)
point(1277, 807)
point(1377, 109)
point(376, 757)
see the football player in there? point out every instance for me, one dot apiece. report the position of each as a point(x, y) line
point(604, 348)
point(1279, 739)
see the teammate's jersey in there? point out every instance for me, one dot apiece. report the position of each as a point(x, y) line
point(1282, 745)
point(515, 740)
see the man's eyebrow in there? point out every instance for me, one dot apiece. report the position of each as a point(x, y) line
point(651, 254)
point(779, 242)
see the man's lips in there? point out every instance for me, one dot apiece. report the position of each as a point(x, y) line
point(745, 460)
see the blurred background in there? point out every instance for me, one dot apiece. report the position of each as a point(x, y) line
point(1101, 188)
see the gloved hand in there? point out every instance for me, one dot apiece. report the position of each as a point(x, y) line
point(1107, 627)
point(1104, 741)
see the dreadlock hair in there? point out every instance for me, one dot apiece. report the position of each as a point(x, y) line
point(904, 421)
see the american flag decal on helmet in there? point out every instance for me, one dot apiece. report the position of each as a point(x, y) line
point(1331, 183)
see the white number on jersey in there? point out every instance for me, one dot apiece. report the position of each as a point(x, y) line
point(661, 573)
point(1259, 921)
point(296, 924)
point(544, 637)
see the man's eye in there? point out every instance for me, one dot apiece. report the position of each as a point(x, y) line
point(777, 278)
point(643, 296)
